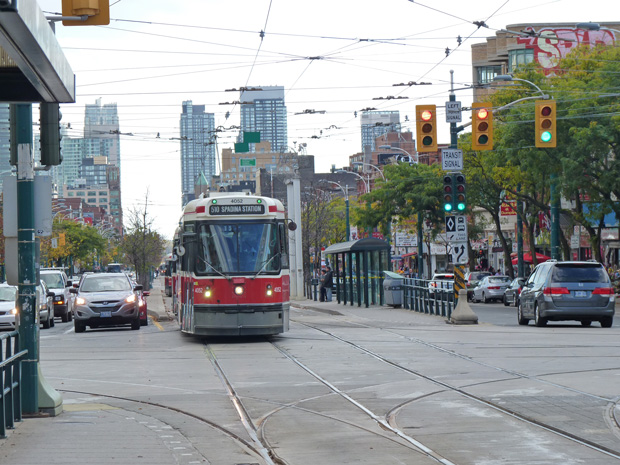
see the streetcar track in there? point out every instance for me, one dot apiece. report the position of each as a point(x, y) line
point(220, 428)
point(531, 421)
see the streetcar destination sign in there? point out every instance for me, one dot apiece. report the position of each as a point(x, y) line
point(236, 209)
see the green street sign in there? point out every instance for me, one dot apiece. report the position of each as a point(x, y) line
point(247, 162)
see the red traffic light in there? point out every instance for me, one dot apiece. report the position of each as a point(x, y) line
point(426, 115)
point(483, 113)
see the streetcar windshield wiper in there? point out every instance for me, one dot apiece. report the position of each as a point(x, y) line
point(214, 269)
point(265, 265)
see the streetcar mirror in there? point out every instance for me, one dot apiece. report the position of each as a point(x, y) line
point(292, 225)
point(180, 250)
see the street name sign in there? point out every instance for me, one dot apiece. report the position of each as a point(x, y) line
point(452, 159)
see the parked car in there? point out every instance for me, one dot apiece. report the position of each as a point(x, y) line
point(441, 281)
point(491, 288)
point(106, 299)
point(558, 291)
point(60, 285)
point(45, 302)
point(8, 306)
point(472, 279)
point(511, 294)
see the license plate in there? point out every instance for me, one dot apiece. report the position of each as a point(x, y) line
point(107, 314)
point(581, 294)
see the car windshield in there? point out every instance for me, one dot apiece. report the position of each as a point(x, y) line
point(53, 280)
point(235, 248)
point(105, 283)
point(579, 273)
point(8, 294)
point(499, 279)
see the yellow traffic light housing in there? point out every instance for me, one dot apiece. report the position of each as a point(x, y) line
point(482, 126)
point(98, 12)
point(545, 124)
point(426, 128)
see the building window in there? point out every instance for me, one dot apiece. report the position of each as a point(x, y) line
point(519, 57)
point(487, 73)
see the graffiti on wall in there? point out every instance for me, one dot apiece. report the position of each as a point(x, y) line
point(552, 44)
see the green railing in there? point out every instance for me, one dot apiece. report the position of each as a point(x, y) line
point(422, 296)
point(11, 369)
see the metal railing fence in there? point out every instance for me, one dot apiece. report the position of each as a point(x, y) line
point(10, 379)
point(421, 296)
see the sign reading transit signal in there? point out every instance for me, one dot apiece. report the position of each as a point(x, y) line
point(452, 159)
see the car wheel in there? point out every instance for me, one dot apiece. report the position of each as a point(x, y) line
point(52, 322)
point(144, 322)
point(586, 323)
point(69, 314)
point(65, 318)
point(484, 298)
point(78, 326)
point(520, 318)
point(135, 324)
point(538, 320)
point(505, 301)
point(46, 323)
point(607, 322)
point(515, 301)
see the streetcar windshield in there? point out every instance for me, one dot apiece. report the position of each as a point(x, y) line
point(237, 248)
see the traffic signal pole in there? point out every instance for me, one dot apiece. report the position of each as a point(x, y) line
point(462, 313)
point(28, 327)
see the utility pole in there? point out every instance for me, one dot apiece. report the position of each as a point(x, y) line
point(28, 327)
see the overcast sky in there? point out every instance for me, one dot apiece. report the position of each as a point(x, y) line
point(336, 56)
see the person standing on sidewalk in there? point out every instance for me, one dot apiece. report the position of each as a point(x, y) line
point(322, 292)
point(328, 283)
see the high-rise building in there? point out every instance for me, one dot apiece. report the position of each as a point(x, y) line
point(102, 132)
point(263, 110)
point(376, 124)
point(197, 147)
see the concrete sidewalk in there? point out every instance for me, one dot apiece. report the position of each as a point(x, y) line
point(156, 307)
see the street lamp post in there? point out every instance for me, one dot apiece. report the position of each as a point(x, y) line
point(372, 166)
point(554, 200)
point(345, 191)
point(366, 185)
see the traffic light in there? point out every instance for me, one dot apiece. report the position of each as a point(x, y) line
point(50, 134)
point(426, 128)
point(448, 193)
point(460, 202)
point(545, 124)
point(98, 12)
point(482, 126)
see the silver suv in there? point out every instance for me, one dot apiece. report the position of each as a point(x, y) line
point(558, 291)
point(59, 284)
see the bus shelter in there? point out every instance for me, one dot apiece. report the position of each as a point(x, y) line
point(358, 267)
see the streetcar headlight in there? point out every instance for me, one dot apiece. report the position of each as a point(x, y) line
point(238, 290)
point(208, 292)
point(269, 290)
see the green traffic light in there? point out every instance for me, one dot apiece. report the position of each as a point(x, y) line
point(448, 207)
point(460, 207)
point(545, 136)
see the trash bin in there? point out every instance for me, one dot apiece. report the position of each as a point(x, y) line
point(393, 288)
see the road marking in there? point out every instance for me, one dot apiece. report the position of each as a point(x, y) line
point(69, 331)
point(159, 326)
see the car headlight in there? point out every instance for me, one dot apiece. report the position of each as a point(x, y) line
point(131, 299)
point(14, 311)
point(80, 301)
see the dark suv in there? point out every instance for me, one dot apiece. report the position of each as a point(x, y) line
point(558, 291)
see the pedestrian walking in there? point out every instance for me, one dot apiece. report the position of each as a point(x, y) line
point(328, 283)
